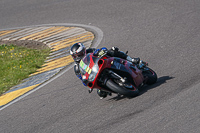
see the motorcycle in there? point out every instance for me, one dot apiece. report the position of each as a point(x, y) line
point(115, 75)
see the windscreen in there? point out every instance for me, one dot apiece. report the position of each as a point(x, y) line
point(89, 67)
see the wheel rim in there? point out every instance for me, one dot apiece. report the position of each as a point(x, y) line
point(126, 85)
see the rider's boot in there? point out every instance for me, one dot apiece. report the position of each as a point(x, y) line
point(133, 60)
point(116, 53)
point(137, 61)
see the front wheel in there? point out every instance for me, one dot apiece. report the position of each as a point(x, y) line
point(151, 76)
point(129, 91)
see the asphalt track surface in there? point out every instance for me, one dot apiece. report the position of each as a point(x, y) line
point(165, 33)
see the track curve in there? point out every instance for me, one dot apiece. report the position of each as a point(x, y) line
point(59, 38)
point(164, 33)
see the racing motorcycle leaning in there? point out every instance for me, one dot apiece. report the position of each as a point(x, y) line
point(115, 75)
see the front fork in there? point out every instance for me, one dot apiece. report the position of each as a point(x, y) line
point(109, 74)
point(145, 77)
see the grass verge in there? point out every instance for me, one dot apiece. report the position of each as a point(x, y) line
point(17, 63)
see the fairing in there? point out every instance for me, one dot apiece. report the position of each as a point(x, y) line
point(90, 69)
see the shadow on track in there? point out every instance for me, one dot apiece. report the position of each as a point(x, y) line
point(160, 81)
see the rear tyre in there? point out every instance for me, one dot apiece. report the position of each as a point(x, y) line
point(114, 86)
point(152, 76)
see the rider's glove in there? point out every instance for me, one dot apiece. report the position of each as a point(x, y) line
point(100, 52)
point(104, 48)
point(84, 84)
point(96, 52)
point(80, 77)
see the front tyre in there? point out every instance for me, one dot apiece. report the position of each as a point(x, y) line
point(114, 86)
point(151, 75)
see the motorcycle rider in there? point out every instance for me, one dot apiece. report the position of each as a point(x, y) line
point(78, 51)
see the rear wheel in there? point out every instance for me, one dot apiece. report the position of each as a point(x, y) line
point(151, 75)
point(125, 89)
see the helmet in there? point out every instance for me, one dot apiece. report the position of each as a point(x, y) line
point(78, 51)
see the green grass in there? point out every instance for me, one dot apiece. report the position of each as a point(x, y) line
point(17, 63)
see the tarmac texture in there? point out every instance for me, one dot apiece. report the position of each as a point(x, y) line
point(164, 33)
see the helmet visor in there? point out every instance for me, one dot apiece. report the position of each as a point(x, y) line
point(79, 56)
